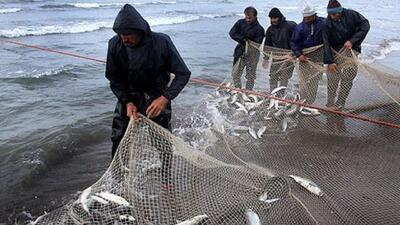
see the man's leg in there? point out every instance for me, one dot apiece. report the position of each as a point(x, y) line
point(119, 126)
point(251, 62)
point(237, 71)
point(346, 83)
point(273, 77)
point(333, 83)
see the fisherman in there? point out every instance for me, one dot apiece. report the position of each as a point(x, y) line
point(306, 35)
point(139, 63)
point(244, 30)
point(278, 35)
point(345, 28)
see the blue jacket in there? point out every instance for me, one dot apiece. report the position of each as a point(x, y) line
point(307, 35)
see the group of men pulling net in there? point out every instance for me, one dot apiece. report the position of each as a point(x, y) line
point(278, 157)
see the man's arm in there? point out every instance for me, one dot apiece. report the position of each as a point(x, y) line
point(328, 54)
point(118, 82)
point(260, 35)
point(235, 34)
point(177, 66)
point(295, 42)
point(362, 27)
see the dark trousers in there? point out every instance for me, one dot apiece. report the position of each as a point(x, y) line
point(309, 75)
point(248, 61)
point(280, 72)
point(342, 80)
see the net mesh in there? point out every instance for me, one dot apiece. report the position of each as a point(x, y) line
point(268, 154)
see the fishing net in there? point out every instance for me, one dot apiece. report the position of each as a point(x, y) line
point(279, 152)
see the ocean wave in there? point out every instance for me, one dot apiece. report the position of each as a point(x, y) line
point(94, 5)
point(10, 10)
point(35, 75)
point(87, 26)
point(379, 52)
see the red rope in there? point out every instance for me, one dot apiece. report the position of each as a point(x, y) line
point(215, 85)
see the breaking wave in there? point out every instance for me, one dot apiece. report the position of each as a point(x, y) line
point(86, 26)
point(102, 5)
point(10, 10)
point(379, 52)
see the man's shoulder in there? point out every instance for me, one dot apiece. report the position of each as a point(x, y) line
point(161, 37)
point(114, 40)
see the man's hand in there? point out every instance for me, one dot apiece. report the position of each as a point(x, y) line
point(348, 45)
point(303, 59)
point(131, 111)
point(156, 107)
point(332, 68)
point(265, 63)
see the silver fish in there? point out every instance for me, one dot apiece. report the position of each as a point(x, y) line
point(314, 112)
point(113, 198)
point(253, 133)
point(276, 105)
point(252, 113)
point(271, 104)
point(250, 105)
point(308, 184)
point(261, 131)
point(99, 200)
point(279, 113)
point(265, 198)
point(241, 107)
point(278, 89)
point(83, 199)
point(127, 217)
point(284, 124)
point(252, 218)
point(194, 221)
point(245, 98)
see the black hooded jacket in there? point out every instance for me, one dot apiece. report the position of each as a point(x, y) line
point(279, 36)
point(352, 27)
point(147, 67)
point(243, 31)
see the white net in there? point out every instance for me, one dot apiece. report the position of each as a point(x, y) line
point(277, 157)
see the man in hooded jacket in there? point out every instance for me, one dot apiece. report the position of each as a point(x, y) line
point(139, 63)
point(247, 29)
point(345, 28)
point(278, 35)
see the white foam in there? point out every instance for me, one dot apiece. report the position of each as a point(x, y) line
point(379, 52)
point(86, 26)
point(10, 10)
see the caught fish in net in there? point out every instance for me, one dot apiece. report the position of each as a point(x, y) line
point(276, 152)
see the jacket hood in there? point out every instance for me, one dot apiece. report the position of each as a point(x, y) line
point(128, 20)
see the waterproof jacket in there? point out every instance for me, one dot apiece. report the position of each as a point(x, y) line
point(243, 31)
point(352, 27)
point(278, 36)
point(307, 35)
point(147, 67)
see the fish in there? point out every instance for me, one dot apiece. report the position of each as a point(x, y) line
point(37, 220)
point(113, 198)
point(241, 107)
point(271, 104)
point(254, 97)
point(245, 98)
point(252, 218)
point(252, 133)
point(261, 131)
point(252, 113)
point(308, 184)
point(279, 113)
point(83, 198)
point(276, 90)
point(276, 104)
point(264, 198)
point(250, 105)
point(284, 124)
point(234, 98)
point(99, 200)
point(314, 112)
point(267, 117)
point(127, 217)
point(194, 221)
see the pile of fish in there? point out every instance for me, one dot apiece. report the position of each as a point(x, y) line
point(281, 109)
